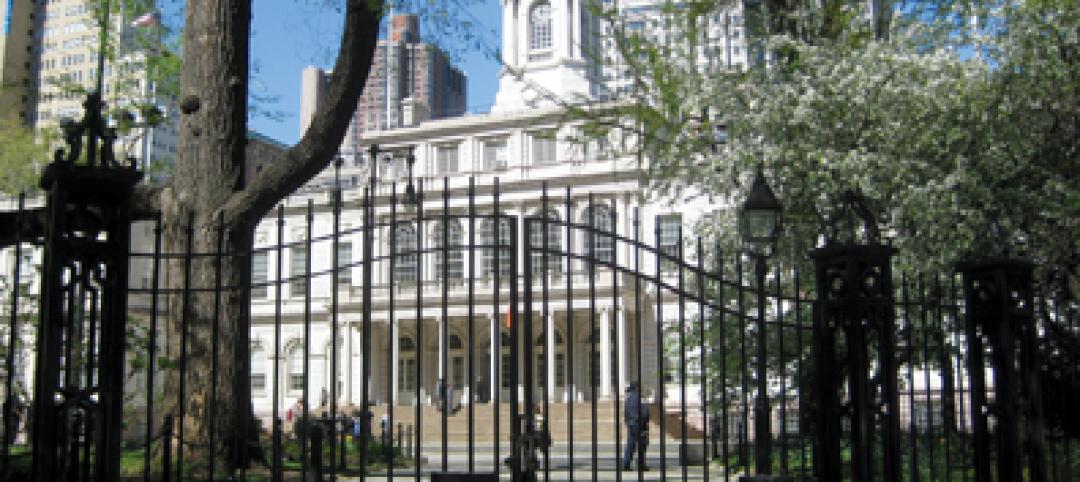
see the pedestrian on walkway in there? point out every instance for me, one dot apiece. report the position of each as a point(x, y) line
point(636, 416)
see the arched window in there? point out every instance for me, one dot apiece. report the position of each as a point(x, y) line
point(405, 256)
point(454, 261)
point(490, 244)
point(601, 244)
point(553, 244)
point(540, 26)
point(455, 342)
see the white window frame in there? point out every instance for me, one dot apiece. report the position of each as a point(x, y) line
point(455, 252)
point(298, 260)
point(405, 255)
point(543, 147)
point(445, 162)
point(496, 154)
point(668, 229)
point(540, 28)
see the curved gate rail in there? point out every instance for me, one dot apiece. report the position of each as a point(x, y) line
point(536, 315)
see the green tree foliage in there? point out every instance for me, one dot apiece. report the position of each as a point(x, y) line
point(21, 156)
point(962, 123)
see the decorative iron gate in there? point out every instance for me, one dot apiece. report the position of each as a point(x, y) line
point(487, 337)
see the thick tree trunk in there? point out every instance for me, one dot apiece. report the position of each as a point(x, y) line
point(209, 170)
point(207, 209)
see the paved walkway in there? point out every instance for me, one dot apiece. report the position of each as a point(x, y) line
point(584, 474)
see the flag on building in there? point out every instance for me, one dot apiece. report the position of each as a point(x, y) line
point(509, 318)
point(151, 19)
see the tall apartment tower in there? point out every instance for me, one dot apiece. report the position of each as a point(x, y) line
point(410, 81)
point(50, 49)
point(16, 58)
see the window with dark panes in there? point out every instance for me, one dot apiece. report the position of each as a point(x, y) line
point(298, 259)
point(492, 244)
point(449, 255)
point(600, 243)
point(668, 230)
point(405, 255)
point(259, 278)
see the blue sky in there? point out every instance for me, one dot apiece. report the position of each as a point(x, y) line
point(288, 35)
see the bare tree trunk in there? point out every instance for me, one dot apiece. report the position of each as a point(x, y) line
point(207, 193)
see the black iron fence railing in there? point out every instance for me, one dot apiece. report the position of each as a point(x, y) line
point(465, 334)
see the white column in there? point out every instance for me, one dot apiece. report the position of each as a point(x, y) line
point(549, 346)
point(348, 363)
point(441, 325)
point(395, 354)
point(510, 32)
point(605, 353)
point(493, 365)
point(620, 333)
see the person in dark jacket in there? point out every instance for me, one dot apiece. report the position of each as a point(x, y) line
point(636, 416)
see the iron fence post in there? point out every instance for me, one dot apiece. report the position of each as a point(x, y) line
point(855, 299)
point(1000, 313)
point(762, 429)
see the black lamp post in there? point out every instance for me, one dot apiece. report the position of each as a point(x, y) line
point(411, 196)
point(759, 227)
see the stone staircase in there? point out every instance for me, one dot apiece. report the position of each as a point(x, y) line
point(558, 423)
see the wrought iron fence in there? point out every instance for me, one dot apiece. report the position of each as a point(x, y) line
point(485, 337)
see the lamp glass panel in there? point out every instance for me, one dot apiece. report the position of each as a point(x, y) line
point(760, 225)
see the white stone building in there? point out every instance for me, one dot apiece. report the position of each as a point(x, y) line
point(524, 143)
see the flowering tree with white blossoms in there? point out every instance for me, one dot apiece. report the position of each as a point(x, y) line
point(964, 135)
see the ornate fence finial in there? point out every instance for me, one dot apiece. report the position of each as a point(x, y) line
point(852, 221)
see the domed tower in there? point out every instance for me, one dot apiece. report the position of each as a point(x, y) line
point(547, 48)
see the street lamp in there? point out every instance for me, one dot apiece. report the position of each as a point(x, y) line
point(411, 196)
point(759, 227)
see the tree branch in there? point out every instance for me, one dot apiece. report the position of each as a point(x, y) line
point(314, 151)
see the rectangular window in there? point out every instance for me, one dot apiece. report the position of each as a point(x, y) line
point(668, 226)
point(543, 148)
point(496, 155)
point(258, 376)
point(927, 414)
point(258, 383)
point(446, 158)
point(791, 421)
point(457, 366)
point(541, 367)
point(298, 259)
point(594, 367)
point(296, 382)
point(259, 289)
point(560, 370)
point(406, 374)
point(504, 371)
point(344, 260)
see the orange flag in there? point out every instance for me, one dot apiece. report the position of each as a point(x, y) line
point(509, 318)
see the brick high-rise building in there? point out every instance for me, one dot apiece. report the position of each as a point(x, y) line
point(410, 81)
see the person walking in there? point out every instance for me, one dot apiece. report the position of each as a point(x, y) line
point(636, 416)
point(440, 395)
